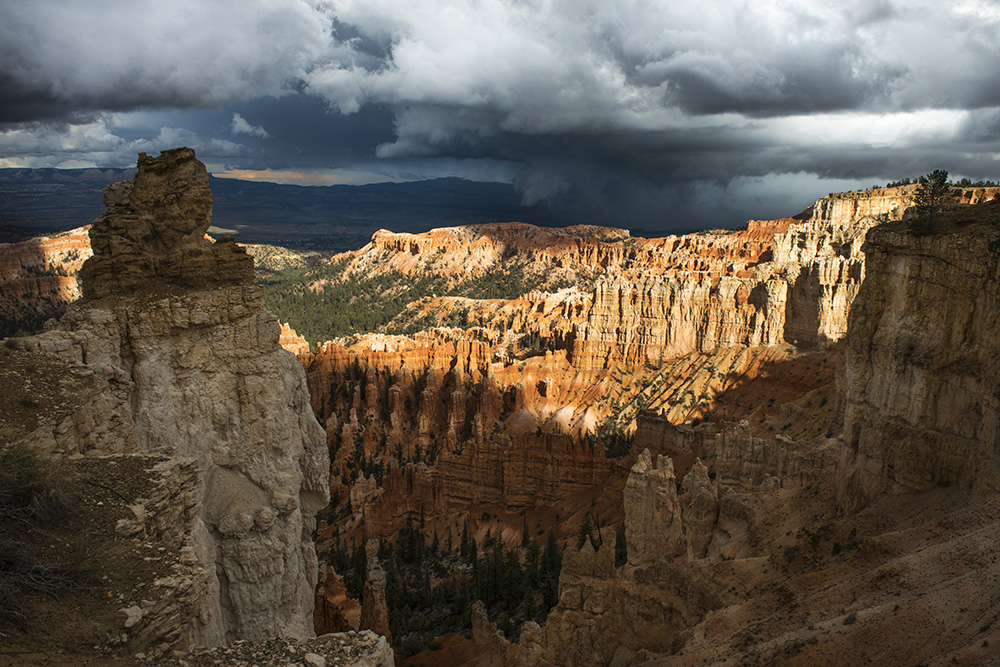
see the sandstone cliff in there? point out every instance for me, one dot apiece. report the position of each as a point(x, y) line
point(374, 612)
point(779, 573)
point(923, 364)
point(796, 285)
point(38, 278)
point(192, 371)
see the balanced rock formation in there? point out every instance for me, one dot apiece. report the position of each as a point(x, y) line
point(153, 232)
point(193, 372)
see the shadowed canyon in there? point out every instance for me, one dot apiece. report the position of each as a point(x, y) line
point(502, 444)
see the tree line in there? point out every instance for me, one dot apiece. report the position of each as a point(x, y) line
point(432, 581)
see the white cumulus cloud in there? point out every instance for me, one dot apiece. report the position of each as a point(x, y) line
point(241, 126)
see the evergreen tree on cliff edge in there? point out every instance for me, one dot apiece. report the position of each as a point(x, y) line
point(930, 195)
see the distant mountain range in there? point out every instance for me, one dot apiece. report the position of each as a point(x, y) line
point(336, 217)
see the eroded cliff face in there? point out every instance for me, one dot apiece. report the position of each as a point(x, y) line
point(192, 370)
point(38, 277)
point(923, 363)
point(799, 291)
point(714, 564)
point(795, 284)
point(518, 405)
point(629, 613)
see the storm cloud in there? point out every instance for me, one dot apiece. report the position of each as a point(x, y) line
point(640, 113)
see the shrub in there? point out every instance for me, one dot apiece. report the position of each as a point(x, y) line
point(29, 486)
point(29, 494)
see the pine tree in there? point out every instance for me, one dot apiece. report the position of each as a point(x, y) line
point(530, 606)
point(551, 558)
point(531, 554)
point(514, 579)
point(498, 578)
point(930, 195)
point(410, 538)
point(551, 564)
point(464, 544)
point(473, 551)
point(584, 533)
point(621, 548)
point(480, 579)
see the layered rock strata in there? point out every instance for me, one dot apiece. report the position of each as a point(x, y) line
point(652, 511)
point(799, 290)
point(923, 364)
point(800, 293)
point(38, 277)
point(608, 615)
point(194, 372)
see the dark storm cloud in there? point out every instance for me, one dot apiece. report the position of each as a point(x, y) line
point(62, 57)
point(645, 111)
point(631, 112)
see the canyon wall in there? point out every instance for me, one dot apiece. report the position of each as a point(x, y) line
point(921, 380)
point(454, 418)
point(555, 254)
point(795, 284)
point(38, 277)
point(923, 363)
point(514, 474)
point(608, 614)
point(193, 372)
point(799, 291)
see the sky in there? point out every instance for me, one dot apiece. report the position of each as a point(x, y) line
point(637, 113)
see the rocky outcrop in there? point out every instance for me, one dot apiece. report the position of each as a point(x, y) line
point(699, 501)
point(923, 365)
point(292, 341)
point(374, 611)
point(153, 233)
point(353, 649)
point(193, 371)
point(652, 511)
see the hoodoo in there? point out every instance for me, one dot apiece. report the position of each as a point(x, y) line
point(187, 368)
